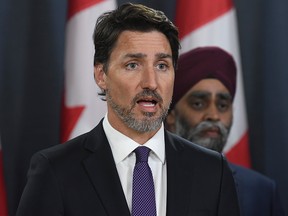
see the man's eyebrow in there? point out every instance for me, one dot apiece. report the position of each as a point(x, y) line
point(199, 94)
point(135, 55)
point(163, 55)
point(224, 96)
point(141, 55)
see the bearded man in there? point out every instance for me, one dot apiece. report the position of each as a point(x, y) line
point(202, 112)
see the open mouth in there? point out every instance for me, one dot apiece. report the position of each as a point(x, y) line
point(147, 104)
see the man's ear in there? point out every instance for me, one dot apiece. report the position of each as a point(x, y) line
point(170, 121)
point(100, 76)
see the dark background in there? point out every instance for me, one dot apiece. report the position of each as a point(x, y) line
point(32, 38)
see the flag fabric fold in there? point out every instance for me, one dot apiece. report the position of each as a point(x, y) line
point(213, 23)
point(82, 109)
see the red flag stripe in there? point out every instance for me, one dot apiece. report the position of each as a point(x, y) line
point(75, 6)
point(3, 204)
point(193, 14)
point(69, 118)
point(239, 154)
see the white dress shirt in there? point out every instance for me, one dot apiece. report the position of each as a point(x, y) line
point(124, 157)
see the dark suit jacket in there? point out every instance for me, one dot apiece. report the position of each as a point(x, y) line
point(80, 178)
point(257, 194)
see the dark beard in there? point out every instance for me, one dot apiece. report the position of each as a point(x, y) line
point(193, 134)
point(149, 122)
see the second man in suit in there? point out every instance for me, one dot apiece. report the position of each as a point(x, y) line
point(202, 112)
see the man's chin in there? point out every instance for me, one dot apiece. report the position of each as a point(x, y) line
point(149, 115)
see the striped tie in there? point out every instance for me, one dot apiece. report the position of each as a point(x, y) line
point(143, 194)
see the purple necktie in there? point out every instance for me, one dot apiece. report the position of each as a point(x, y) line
point(143, 194)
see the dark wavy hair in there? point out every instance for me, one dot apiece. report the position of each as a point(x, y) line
point(132, 17)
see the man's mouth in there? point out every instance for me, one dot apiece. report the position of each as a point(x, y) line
point(213, 132)
point(147, 104)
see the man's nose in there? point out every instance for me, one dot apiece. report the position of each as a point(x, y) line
point(149, 79)
point(212, 113)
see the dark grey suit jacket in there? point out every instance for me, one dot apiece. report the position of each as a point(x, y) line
point(80, 178)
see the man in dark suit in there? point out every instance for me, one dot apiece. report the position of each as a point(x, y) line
point(136, 51)
point(201, 112)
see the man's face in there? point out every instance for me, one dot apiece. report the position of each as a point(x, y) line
point(204, 114)
point(139, 81)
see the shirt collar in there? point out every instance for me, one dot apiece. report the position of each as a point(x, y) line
point(122, 146)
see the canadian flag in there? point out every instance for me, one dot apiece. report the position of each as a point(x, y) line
point(82, 109)
point(213, 23)
point(3, 199)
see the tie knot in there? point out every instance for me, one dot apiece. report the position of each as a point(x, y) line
point(142, 154)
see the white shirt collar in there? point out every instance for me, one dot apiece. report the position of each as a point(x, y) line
point(122, 146)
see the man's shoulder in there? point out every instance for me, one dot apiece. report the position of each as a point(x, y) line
point(256, 192)
point(76, 147)
point(69, 145)
point(251, 176)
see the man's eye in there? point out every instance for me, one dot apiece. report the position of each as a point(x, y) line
point(223, 106)
point(131, 66)
point(162, 66)
point(197, 105)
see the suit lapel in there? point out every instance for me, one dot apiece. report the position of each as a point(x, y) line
point(101, 169)
point(179, 178)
